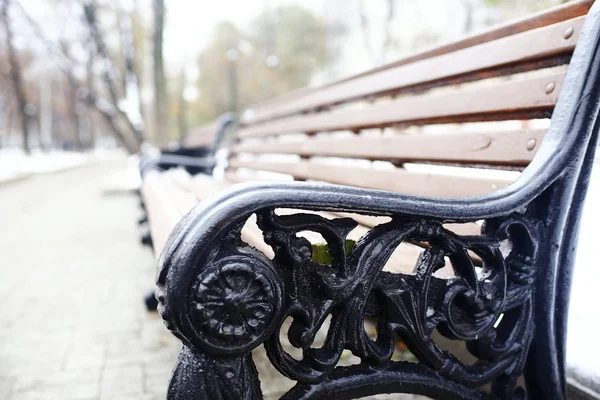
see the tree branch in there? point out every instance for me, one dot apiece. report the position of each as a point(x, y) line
point(16, 75)
point(364, 25)
point(160, 84)
point(387, 42)
point(108, 70)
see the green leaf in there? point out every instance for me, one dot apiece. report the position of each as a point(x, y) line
point(320, 252)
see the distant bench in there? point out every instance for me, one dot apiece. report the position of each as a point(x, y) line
point(419, 239)
point(196, 154)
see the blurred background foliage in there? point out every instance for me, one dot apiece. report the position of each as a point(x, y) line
point(279, 51)
point(79, 74)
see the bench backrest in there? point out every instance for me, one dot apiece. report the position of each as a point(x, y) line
point(483, 101)
point(211, 135)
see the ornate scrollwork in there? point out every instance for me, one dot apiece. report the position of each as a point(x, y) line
point(238, 299)
point(235, 303)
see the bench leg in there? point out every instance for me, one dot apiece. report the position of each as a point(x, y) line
point(150, 301)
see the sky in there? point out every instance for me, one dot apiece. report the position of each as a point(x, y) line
point(190, 23)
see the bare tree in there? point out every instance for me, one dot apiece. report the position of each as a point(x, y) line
point(131, 55)
point(73, 102)
point(16, 75)
point(364, 26)
point(379, 56)
point(469, 9)
point(182, 124)
point(131, 115)
point(85, 91)
point(387, 41)
point(160, 83)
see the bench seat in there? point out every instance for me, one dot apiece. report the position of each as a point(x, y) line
point(172, 194)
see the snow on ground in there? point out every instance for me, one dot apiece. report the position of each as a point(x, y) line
point(583, 353)
point(15, 164)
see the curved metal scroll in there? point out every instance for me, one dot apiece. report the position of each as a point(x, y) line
point(229, 298)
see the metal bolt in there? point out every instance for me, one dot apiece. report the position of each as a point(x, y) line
point(568, 32)
point(550, 87)
point(531, 144)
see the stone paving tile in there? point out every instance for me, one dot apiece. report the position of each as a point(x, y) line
point(74, 325)
point(72, 385)
point(6, 386)
point(85, 355)
point(123, 380)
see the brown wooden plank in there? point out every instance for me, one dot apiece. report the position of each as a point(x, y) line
point(402, 260)
point(550, 16)
point(303, 91)
point(505, 148)
point(202, 136)
point(369, 221)
point(165, 204)
point(541, 43)
point(395, 180)
point(516, 99)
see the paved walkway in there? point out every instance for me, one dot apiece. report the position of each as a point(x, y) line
point(73, 325)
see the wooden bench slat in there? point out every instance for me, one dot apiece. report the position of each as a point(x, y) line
point(171, 195)
point(179, 191)
point(517, 99)
point(468, 229)
point(165, 205)
point(543, 18)
point(202, 136)
point(395, 180)
point(538, 44)
point(504, 148)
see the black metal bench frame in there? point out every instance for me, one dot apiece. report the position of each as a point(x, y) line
point(195, 160)
point(223, 298)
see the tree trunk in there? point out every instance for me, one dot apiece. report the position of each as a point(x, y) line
point(182, 125)
point(71, 94)
point(16, 76)
point(108, 75)
point(131, 88)
point(160, 84)
point(468, 27)
point(364, 27)
point(387, 41)
point(233, 86)
point(138, 54)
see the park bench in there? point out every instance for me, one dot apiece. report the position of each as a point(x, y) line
point(383, 170)
point(196, 151)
